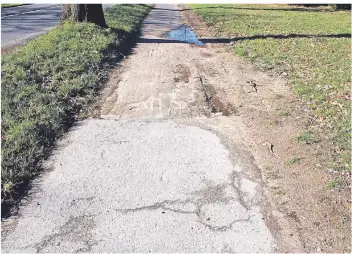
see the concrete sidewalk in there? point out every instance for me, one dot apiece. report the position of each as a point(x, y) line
point(151, 174)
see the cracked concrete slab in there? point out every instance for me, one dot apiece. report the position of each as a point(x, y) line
point(160, 186)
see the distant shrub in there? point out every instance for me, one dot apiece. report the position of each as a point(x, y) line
point(341, 6)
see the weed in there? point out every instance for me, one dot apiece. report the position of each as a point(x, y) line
point(284, 113)
point(331, 184)
point(293, 160)
point(306, 137)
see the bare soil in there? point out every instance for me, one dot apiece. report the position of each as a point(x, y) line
point(271, 117)
point(209, 87)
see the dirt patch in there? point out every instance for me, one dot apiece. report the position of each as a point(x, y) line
point(197, 24)
point(206, 54)
point(296, 176)
point(185, 81)
point(219, 106)
point(182, 73)
point(216, 104)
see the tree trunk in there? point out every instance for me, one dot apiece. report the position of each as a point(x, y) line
point(84, 13)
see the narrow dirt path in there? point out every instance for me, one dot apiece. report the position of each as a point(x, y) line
point(164, 167)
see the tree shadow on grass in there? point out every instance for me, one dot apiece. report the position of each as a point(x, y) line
point(255, 37)
point(298, 9)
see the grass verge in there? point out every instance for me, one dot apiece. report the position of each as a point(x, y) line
point(317, 63)
point(51, 80)
point(10, 5)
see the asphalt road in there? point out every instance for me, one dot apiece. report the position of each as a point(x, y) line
point(22, 23)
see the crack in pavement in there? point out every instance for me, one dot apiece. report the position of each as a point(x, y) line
point(71, 230)
point(235, 178)
point(159, 205)
point(226, 227)
point(212, 194)
point(77, 229)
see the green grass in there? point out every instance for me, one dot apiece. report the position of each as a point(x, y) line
point(47, 83)
point(335, 184)
point(293, 160)
point(318, 69)
point(10, 5)
point(307, 137)
point(284, 113)
point(331, 184)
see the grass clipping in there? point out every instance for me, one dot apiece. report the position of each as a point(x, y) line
point(48, 82)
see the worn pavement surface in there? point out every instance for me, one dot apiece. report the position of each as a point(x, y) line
point(158, 170)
